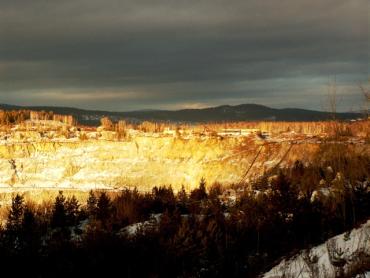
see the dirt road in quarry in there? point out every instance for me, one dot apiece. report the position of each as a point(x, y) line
point(144, 162)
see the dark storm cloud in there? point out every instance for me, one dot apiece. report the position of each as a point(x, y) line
point(125, 55)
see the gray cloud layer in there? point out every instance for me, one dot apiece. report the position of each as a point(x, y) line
point(125, 55)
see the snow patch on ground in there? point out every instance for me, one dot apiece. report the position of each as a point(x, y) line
point(133, 229)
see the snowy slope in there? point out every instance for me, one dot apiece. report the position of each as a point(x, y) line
point(341, 255)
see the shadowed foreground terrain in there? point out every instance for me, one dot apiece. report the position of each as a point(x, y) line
point(211, 231)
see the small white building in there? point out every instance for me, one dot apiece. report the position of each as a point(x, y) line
point(168, 131)
point(238, 132)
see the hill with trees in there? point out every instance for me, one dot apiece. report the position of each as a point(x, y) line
point(225, 113)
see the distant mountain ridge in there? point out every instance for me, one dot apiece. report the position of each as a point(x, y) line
point(242, 112)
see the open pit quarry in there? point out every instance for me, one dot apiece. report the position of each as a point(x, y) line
point(141, 162)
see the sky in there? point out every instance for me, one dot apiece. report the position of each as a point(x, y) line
point(170, 54)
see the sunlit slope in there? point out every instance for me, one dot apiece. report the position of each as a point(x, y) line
point(142, 162)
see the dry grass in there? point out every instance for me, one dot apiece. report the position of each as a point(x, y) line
point(358, 128)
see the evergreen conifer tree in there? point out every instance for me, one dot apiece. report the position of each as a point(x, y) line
point(104, 208)
point(59, 216)
point(16, 213)
point(91, 204)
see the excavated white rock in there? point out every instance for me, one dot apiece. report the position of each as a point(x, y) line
point(142, 162)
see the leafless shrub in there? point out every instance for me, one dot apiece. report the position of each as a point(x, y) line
point(366, 93)
point(311, 261)
point(336, 257)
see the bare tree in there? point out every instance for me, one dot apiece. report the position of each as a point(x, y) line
point(366, 94)
point(332, 101)
point(106, 123)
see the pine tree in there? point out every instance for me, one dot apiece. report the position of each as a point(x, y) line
point(182, 198)
point(16, 213)
point(72, 210)
point(59, 216)
point(30, 232)
point(13, 226)
point(104, 208)
point(199, 193)
point(91, 204)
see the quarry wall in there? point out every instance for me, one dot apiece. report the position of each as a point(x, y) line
point(142, 162)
